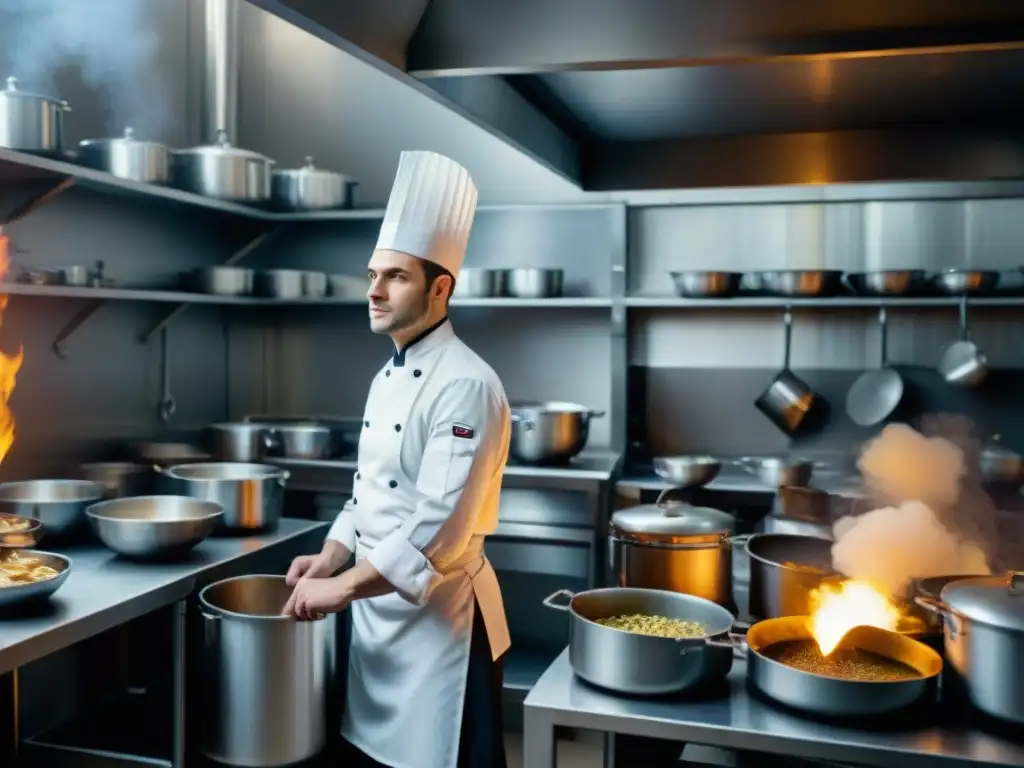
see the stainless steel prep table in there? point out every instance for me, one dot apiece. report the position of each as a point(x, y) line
point(105, 591)
point(739, 721)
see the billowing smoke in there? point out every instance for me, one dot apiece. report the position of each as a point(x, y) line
point(114, 44)
point(933, 518)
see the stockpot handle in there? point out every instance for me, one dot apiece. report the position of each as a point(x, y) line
point(285, 474)
point(525, 422)
point(956, 621)
point(549, 601)
point(734, 641)
point(596, 414)
point(271, 438)
point(740, 539)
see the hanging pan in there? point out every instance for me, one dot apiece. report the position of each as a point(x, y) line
point(874, 396)
point(963, 364)
point(788, 399)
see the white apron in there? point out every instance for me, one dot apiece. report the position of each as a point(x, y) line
point(430, 465)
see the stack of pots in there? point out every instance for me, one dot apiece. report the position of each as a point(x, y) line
point(675, 547)
point(252, 495)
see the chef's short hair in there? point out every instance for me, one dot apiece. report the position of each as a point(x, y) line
point(432, 271)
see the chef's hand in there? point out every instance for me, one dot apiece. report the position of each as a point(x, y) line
point(313, 598)
point(319, 566)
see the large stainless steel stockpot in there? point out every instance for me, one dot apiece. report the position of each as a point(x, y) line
point(642, 664)
point(310, 189)
point(224, 172)
point(550, 433)
point(266, 676)
point(58, 504)
point(128, 158)
point(983, 631)
point(674, 547)
point(30, 122)
point(252, 494)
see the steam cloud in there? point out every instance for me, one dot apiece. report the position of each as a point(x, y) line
point(113, 42)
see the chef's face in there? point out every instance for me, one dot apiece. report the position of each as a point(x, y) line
point(399, 295)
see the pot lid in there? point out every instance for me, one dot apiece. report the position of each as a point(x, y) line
point(673, 519)
point(309, 169)
point(128, 137)
point(224, 147)
point(12, 90)
point(994, 600)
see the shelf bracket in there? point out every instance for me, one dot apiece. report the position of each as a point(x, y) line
point(73, 325)
point(39, 200)
point(257, 242)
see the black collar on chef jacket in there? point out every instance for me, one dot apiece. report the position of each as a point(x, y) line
point(398, 356)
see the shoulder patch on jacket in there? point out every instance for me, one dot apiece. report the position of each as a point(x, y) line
point(463, 430)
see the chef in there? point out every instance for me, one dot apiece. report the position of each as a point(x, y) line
point(428, 623)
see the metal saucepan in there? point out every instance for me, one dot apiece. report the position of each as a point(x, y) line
point(222, 281)
point(777, 472)
point(788, 399)
point(784, 570)
point(153, 526)
point(300, 441)
point(120, 478)
point(535, 283)
point(550, 433)
point(983, 621)
point(706, 285)
point(314, 284)
point(30, 122)
point(957, 282)
point(642, 664)
point(31, 592)
point(962, 363)
point(833, 696)
point(167, 454)
point(687, 471)
point(58, 504)
point(477, 282)
point(1001, 466)
point(223, 172)
point(805, 283)
point(673, 546)
point(19, 532)
point(252, 495)
point(128, 158)
point(875, 395)
point(310, 189)
point(281, 283)
point(893, 282)
point(239, 441)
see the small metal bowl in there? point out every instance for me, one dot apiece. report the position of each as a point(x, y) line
point(958, 282)
point(806, 283)
point(687, 471)
point(153, 526)
point(27, 536)
point(37, 590)
point(706, 285)
point(895, 282)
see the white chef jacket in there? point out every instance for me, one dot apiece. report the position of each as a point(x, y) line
point(432, 451)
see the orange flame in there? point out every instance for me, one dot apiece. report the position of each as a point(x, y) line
point(836, 609)
point(9, 364)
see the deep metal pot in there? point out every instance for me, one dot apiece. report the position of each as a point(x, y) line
point(59, 504)
point(252, 494)
point(784, 570)
point(128, 158)
point(120, 478)
point(310, 189)
point(535, 283)
point(223, 281)
point(239, 441)
point(300, 441)
point(30, 122)
point(478, 283)
point(674, 547)
point(223, 172)
point(267, 676)
point(639, 664)
point(983, 620)
point(314, 284)
point(550, 433)
point(706, 285)
point(281, 284)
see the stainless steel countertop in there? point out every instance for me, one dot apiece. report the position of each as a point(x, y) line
point(105, 590)
point(740, 721)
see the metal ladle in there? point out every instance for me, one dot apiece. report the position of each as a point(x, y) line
point(167, 405)
point(962, 363)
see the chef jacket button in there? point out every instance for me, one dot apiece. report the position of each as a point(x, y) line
point(387, 372)
point(392, 483)
point(358, 476)
point(366, 423)
point(354, 501)
point(398, 427)
point(417, 373)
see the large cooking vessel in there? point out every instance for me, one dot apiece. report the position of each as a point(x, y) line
point(784, 570)
point(239, 441)
point(223, 172)
point(266, 676)
point(310, 189)
point(838, 697)
point(153, 526)
point(550, 433)
point(120, 478)
point(641, 664)
point(58, 504)
point(675, 547)
point(984, 640)
point(300, 441)
point(128, 158)
point(252, 494)
point(30, 122)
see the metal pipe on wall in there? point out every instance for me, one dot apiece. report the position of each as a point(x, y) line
point(220, 69)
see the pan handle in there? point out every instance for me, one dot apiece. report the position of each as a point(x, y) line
point(957, 626)
point(550, 600)
point(749, 463)
point(735, 641)
point(883, 327)
point(787, 321)
point(740, 539)
point(965, 333)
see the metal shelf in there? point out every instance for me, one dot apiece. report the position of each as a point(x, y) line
point(564, 302)
point(836, 302)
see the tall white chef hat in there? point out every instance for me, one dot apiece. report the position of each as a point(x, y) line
point(430, 211)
